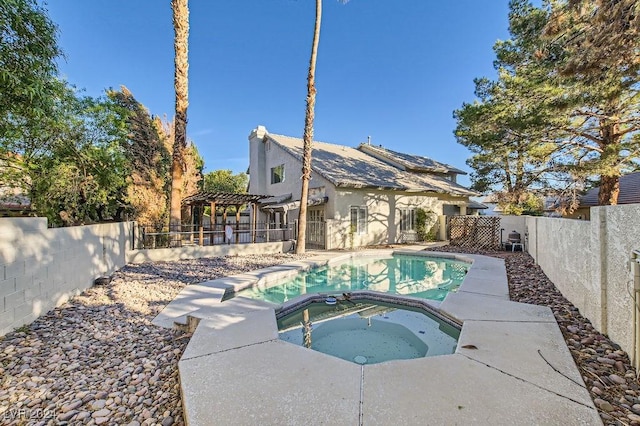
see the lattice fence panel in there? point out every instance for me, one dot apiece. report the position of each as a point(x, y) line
point(477, 232)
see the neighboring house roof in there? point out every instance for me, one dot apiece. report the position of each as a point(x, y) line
point(629, 191)
point(414, 163)
point(476, 205)
point(344, 166)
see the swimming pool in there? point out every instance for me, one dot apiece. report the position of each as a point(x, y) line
point(369, 332)
point(402, 274)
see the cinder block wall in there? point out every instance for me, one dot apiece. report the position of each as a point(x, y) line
point(589, 261)
point(196, 252)
point(41, 268)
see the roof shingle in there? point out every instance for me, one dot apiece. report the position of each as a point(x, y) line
point(629, 191)
point(349, 167)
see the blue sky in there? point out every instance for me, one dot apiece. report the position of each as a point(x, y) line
point(394, 71)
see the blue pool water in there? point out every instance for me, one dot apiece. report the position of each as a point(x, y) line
point(418, 276)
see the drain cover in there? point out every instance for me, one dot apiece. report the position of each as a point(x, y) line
point(360, 359)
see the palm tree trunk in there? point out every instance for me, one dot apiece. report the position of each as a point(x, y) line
point(308, 134)
point(181, 28)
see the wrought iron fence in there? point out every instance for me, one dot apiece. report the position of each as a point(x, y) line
point(219, 233)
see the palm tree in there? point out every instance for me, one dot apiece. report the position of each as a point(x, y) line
point(308, 133)
point(181, 28)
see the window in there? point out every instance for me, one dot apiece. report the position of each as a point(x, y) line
point(407, 219)
point(277, 174)
point(359, 219)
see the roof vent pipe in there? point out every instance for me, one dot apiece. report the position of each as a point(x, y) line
point(368, 140)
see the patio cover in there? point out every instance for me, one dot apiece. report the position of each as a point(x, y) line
point(292, 205)
point(221, 199)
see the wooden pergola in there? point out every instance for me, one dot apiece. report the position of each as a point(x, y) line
point(224, 200)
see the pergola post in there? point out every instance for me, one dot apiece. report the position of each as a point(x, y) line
point(237, 223)
point(267, 222)
point(254, 220)
point(212, 223)
point(283, 221)
point(192, 223)
point(201, 227)
point(224, 223)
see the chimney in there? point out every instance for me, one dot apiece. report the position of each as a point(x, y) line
point(368, 140)
point(259, 133)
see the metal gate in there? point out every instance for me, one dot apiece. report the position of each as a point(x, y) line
point(315, 238)
point(316, 226)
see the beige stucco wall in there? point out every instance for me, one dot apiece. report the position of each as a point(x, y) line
point(620, 233)
point(265, 156)
point(562, 247)
point(383, 215)
point(589, 263)
point(41, 268)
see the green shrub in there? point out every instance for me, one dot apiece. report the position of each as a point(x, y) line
point(425, 221)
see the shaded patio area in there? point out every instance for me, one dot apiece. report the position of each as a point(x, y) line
point(232, 220)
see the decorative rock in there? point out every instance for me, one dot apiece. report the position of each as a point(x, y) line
point(101, 395)
point(83, 415)
point(71, 406)
point(98, 404)
point(65, 417)
point(101, 413)
point(617, 379)
point(87, 398)
point(102, 281)
point(168, 421)
point(608, 361)
point(603, 405)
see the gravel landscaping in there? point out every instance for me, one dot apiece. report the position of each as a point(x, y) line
point(98, 359)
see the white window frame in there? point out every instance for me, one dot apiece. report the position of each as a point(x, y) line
point(407, 219)
point(273, 175)
point(361, 224)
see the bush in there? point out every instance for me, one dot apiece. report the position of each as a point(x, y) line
point(425, 221)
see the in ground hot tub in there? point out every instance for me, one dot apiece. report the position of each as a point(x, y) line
point(366, 331)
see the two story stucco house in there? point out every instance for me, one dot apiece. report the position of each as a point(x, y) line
point(357, 196)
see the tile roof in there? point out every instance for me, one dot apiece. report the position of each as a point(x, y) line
point(349, 167)
point(629, 191)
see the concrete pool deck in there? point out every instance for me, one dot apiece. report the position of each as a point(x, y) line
point(511, 365)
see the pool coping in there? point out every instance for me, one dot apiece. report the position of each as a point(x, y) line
point(511, 364)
